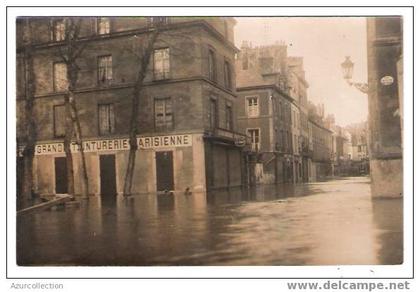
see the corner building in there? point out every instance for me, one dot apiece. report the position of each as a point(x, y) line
point(186, 129)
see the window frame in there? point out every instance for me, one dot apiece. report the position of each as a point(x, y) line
point(55, 89)
point(212, 55)
point(111, 130)
point(98, 21)
point(229, 118)
point(164, 128)
point(247, 98)
point(108, 80)
point(227, 72)
point(165, 76)
point(258, 148)
point(214, 100)
point(161, 20)
point(54, 23)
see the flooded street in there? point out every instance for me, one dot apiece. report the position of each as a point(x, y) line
point(325, 223)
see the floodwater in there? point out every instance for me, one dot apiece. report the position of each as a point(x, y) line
point(328, 223)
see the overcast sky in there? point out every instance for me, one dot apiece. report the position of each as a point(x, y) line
point(323, 43)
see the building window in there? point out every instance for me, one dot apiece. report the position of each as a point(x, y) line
point(282, 145)
point(163, 114)
point(213, 113)
point(359, 148)
point(60, 77)
point(253, 108)
point(106, 119)
point(103, 25)
point(59, 30)
point(255, 138)
point(229, 117)
point(104, 69)
point(228, 75)
point(161, 66)
point(157, 20)
point(212, 66)
point(59, 120)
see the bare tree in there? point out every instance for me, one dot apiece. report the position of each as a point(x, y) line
point(70, 53)
point(138, 86)
point(30, 130)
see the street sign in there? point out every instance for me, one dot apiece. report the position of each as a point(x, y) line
point(387, 80)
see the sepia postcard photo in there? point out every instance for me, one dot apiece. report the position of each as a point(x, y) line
point(216, 140)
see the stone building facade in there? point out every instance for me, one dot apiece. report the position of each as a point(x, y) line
point(298, 91)
point(187, 136)
point(265, 111)
point(385, 96)
point(321, 166)
point(321, 140)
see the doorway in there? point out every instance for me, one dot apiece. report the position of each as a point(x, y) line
point(164, 171)
point(60, 164)
point(108, 175)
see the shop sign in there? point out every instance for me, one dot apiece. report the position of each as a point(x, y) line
point(117, 144)
point(88, 146)
point(164, 141)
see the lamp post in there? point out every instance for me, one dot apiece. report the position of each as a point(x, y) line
point(347, 68)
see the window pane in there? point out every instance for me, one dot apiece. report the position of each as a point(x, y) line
point(253, 109)
point(228, 81)
point(229, 118)
point(163, 114)
point(103, 25)
point(213, 113)
point(212, 66)
point(60, 77)
point(104, 69)
point(161, 64)
point(106, 119)
point(59, 30)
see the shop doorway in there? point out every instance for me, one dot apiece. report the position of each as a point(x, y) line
point(60, 164)
point(108, 175)
point(164, 171)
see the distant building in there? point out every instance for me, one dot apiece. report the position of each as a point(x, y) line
point(359, 148)
point(322, 143)
point(266, 112)
point(298, 86)
point(322, 150)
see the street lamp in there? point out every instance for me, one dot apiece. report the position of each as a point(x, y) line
point(347, 68)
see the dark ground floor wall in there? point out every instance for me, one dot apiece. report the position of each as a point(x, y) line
point(225, 165)
point(322, 169)
point(271, 168)
point(156, 169)
point(352, 168)
point(196, 166)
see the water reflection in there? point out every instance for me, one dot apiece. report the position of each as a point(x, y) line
point(334, 222)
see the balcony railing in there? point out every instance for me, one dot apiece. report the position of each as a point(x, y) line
point(239, 139)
